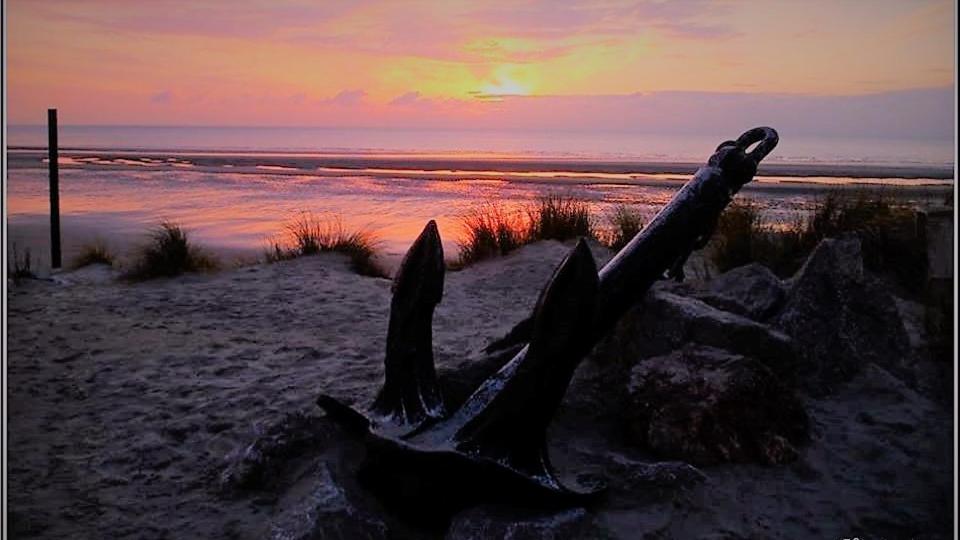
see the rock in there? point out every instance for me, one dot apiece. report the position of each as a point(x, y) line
point(498, 522)
point(751, 290)
point(841, 318)
point(660, 477)
point(666, 321)
point(704, 405)
point(260, 464)
point(318, 507)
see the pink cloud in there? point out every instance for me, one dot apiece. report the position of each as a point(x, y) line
point(418, 29)
point(163, 97)
point(347, 98)
point(406, 99)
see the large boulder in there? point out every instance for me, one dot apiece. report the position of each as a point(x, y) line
point(667, 321)
point(841, 318)
point(704, 405)
point(751, 290)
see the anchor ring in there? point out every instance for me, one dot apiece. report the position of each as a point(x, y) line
point(766, 136)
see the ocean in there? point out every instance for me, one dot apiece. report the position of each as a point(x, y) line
point(552, 144)
point(234, 188)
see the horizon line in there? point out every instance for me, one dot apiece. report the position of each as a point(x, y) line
point(879, 135)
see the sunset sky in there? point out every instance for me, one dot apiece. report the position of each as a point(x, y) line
point(506, 65)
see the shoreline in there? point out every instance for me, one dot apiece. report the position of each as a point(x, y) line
point(236, 212)
point(430, 166)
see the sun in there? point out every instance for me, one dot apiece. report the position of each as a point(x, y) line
point(505, 86)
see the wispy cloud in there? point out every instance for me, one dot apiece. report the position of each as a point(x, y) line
point(409, 98)
point(347, 98)
point(163, 97)
point(457, 60)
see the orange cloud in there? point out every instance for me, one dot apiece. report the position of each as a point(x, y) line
point(278, 61)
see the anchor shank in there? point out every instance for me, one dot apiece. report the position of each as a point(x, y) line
point(683, 225)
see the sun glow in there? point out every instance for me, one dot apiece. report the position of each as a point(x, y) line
point(378, 63)
point(509, 79)
point(505, 86)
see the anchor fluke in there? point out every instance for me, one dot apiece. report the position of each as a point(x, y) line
point(506, 419)
point(410, 393)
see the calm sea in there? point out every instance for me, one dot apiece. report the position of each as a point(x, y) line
point(552, 144)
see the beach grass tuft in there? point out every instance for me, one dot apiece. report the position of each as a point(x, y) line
point(622, 225)
point(93, 253)
point(308, 234)
point(22, 265)
point(490, 231)
point(555, 217)
point(738, 235)
point(169, 253)
point(891, 241)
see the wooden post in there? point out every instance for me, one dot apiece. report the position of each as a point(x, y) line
point(54, 166)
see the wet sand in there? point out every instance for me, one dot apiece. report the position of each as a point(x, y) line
point(237, 210)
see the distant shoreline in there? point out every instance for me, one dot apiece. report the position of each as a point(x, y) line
point(438, 166)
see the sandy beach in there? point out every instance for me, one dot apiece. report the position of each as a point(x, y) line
point(129, 402)
point(618, 270)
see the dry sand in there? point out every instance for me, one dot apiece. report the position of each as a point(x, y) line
point(125, 401)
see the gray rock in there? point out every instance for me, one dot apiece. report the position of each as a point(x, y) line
point(317, 507)
point(665, 322)
point(662, 476)
point(262, 463)
point(704, 405)
point(841, 318)
point(751, 290)
point(486, 522)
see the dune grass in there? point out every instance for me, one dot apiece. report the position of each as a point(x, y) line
point(21, 266)
point(738, 236)
point(492, 231)
point(169, 253)
point(622, 225)
point(554, 217)
point(743, 237)
point(889, 233)
point(891, 241)
point(95, 252)
point(308, 234)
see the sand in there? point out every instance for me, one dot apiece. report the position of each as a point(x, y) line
point(126, 402)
